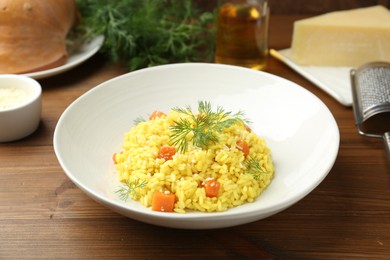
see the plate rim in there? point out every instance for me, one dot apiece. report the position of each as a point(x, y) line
point(91, 47)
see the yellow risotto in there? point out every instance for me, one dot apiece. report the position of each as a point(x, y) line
point(193, 161)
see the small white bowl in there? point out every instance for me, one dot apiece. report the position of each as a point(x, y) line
point(21, 118)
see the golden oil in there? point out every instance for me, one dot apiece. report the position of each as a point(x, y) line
point(242, 36)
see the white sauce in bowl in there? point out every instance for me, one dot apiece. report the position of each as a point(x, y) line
point(12, 97)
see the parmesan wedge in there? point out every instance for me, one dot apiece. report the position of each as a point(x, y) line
point(343, 38)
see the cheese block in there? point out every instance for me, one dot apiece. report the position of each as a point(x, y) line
point(343, 38)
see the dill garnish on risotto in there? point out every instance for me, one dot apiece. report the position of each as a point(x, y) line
point(193, 161)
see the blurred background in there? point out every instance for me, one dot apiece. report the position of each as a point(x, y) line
point(308, 6)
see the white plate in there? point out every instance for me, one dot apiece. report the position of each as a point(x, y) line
point(333, 80)
point(299, 129)
point(83, 53)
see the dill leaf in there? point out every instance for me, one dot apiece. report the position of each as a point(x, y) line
point(129, 188)
point(150, 32)
point(139, 120)
point(253, 167)
point(202, 129)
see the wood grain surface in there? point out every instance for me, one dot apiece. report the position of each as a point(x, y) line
point(43, 215)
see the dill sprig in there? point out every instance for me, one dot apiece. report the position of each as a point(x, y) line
point(139, 120)
point(253, 167)
point(129, 188)
point(143, 33)
point(203, 128)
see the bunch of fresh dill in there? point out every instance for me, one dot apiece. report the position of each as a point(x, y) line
point(143, 33)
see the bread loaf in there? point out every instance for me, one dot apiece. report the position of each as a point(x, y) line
point(33, 34)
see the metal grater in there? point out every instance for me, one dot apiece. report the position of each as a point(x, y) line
point(371, 97)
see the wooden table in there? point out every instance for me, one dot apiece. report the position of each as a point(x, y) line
point(44, 215)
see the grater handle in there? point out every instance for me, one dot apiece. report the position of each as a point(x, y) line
point(386, 139)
